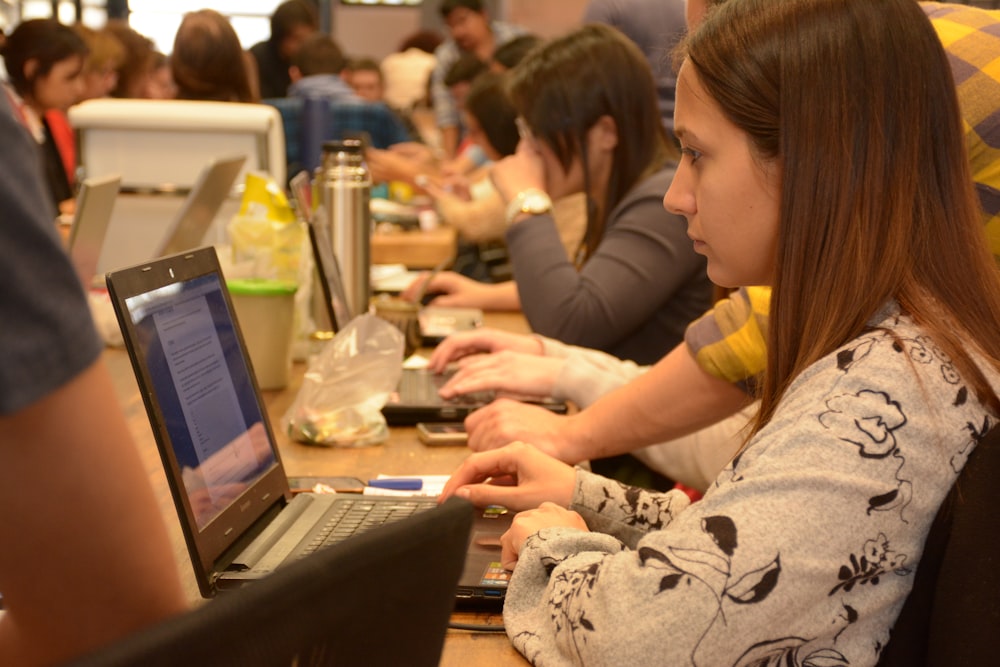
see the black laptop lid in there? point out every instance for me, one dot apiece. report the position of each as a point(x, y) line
point(198, 386)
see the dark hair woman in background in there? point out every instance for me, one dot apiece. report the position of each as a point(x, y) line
point(44, 61)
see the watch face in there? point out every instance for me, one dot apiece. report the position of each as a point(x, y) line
point(536, 202)
point(531, 202)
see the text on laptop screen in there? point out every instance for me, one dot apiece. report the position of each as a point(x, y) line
point(190, 345)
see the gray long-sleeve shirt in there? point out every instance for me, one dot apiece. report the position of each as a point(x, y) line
point(633, 297)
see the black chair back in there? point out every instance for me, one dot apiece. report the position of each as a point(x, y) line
point(952, 615)
point(381, 598)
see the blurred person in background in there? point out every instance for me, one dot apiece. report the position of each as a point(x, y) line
point(137, 65)
point(208, 62)
point(160, 85)
point(365, 77)
point(44, 61)
point(100, 70)
point(513, 51)
point(656, 26)
point(406, 73)
point(470, 32)
point(291, 24)
point(316, 71)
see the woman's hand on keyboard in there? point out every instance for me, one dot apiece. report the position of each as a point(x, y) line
point(518, 476)
point(481, 341)
point(516, 373)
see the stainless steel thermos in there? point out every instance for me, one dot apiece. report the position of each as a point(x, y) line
point(346, 194)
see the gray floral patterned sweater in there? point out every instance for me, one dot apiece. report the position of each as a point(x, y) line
point(801, 553)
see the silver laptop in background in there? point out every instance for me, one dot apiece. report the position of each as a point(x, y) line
point(196, 215)
point(89, 227)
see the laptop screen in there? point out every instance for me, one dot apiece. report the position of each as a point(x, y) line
point(191, 349)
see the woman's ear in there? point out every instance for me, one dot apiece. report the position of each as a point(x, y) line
point(603, 134)
point(30, 69)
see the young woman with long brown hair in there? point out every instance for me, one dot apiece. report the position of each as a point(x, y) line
point(882, 374)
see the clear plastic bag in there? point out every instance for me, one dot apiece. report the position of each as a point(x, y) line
point(346, 385)
point(266, 237)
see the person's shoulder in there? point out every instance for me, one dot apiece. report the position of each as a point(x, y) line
point(888, 353)
point(654, 184)
point(445, 50)
point(260, 49)
point(504, 31)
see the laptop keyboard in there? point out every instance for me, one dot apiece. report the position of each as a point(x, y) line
point(352, 516)
point(421, 388)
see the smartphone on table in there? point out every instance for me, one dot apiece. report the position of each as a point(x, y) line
point(442, 433)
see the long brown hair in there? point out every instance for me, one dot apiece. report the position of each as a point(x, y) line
point(563, 87)
point(855, 101)
point(208, 62)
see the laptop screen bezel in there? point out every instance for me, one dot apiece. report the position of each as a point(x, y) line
point(209, 545)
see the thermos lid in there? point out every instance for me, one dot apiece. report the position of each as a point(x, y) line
point(342, 146)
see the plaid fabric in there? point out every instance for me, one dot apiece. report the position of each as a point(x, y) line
point(971, 36)
point(379, 121)
point(729, 341)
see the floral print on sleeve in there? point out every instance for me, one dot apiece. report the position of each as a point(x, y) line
point(801, 553)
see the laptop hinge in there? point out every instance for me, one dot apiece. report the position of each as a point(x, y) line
point(260, 531)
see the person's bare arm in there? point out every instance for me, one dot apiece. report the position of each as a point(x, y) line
point(674, 398)
point(449, 141)
point(86, 558)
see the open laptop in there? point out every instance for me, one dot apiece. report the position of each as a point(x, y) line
point(197, 213)
point(416, 398)
point(91, 217)
point(435, 322)
point(332, 609)
point(239, 518)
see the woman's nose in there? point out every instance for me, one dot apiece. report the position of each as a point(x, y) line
point(679, 198)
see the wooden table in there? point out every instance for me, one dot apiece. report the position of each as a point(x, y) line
point(416, 249)
point(403, 454)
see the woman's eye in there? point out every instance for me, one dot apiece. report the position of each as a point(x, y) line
point(691, 153)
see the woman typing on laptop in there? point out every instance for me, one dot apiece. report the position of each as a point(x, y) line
point(805, 546)
point(589, 123)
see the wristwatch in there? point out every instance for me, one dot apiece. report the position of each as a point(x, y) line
point(532, 201)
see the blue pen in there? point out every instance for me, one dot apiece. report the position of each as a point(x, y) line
point(397, 483)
